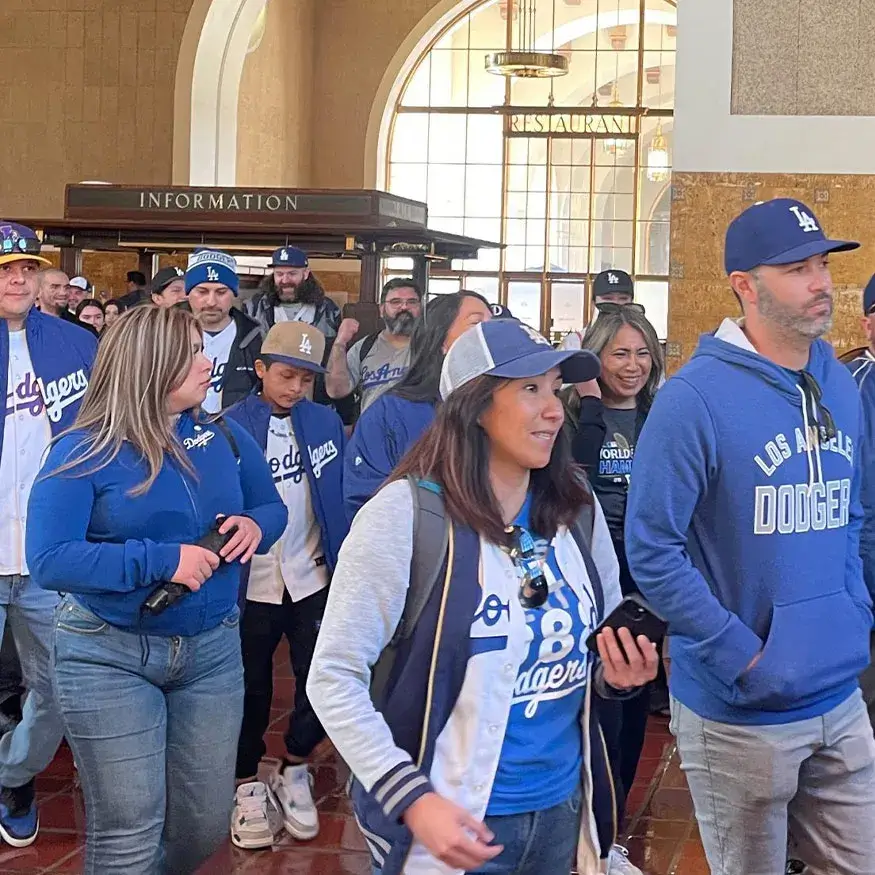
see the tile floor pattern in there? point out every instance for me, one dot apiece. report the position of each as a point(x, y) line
point(661, 833)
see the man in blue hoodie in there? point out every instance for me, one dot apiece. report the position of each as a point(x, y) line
point(743, 529)
point(44, 368)
point(287, 589)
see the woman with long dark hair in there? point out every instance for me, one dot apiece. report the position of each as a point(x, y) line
point(395, 421)
point(480, 755)
point(151, 701)
point(612, 413)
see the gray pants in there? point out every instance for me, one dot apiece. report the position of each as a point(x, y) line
point(867, 683)
point(751, 783)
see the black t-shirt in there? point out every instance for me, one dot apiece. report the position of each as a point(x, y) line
point(611, 482)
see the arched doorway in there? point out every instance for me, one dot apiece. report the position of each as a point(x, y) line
point(565, 172)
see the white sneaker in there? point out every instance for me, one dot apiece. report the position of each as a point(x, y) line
point(618, 862)
point(250, 822)
point(293, 792)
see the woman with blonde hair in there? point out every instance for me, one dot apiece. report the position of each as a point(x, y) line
point(151, 701)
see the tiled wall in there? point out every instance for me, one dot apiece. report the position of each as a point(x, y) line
point(86, 92)
point(703, 204)
point(816, 57)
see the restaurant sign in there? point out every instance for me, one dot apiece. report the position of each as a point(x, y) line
point(572, 124)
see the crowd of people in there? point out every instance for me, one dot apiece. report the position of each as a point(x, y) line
point(438, 517)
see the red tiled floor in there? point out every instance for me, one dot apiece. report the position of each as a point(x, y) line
point(660, 831)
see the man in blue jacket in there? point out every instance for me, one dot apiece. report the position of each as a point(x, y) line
point(288, 588)
point(861, 366)
point(44, 368)
point(743, 529)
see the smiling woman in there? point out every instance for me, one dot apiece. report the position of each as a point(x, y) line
point(498, 654)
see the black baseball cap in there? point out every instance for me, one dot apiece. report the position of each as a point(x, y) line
point(164, 277)
point(612, 282)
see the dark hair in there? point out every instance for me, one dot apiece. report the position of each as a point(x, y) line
point(89, 302)
point(422, 380)
point(116, 303)
point(454, 452)
point(136, 276)
point(309, 292)
point(400, 282)
point(269, 361)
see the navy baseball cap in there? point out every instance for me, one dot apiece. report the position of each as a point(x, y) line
point(508, 348)
point(499, 311)
point(779, 231)
point(869, 296)
point(289, 256)
point(18, 243)
point(612, 282)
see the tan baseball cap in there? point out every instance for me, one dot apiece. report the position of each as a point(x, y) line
point(297, 344)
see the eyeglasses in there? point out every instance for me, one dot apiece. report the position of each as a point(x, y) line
point(534, 588)
point(611, 307)
point(28, 245)
point(403, 302)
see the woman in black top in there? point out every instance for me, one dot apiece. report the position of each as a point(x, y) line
point(609, 414)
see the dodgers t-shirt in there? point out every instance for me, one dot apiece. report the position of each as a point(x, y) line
point(26, 437)
point(217, 348)
point(611, 483)
point(382, 368)
point(542, 754)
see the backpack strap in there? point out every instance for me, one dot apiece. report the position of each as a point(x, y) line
point(582, 531)
point(431, 536)
point(223, 427)
point(368, 345)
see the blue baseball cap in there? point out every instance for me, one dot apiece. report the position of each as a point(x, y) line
point(289, 256)
point(211, 266)
point(779, 231)
point(869, 296)
point(18, 243)
point(508, 348)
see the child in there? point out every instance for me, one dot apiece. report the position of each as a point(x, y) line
point(288, 588)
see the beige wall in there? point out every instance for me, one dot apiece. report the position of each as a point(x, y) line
point(86, 92)
point(816, 57)
point(273, 133)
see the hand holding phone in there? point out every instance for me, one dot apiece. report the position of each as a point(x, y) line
point(634, 614)
point(627, 662)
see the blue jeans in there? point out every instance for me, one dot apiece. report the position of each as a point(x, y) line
point(29, 748)
point(153, 724)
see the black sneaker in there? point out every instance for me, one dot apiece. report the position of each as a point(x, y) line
point(795, 867)
point(19, 820)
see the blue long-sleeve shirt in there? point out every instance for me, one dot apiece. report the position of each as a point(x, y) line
point(88, 536)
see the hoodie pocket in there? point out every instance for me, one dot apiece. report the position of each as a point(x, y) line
point(813, 647)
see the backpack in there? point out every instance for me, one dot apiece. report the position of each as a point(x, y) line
point(364, 352)
point(431, 534)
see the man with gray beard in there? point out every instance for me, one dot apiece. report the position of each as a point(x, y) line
point(380, 360)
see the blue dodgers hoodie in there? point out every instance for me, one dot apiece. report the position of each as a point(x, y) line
point(88, 536)
point(745, 534)
point(384, 433)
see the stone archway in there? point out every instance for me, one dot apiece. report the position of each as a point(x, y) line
point(208, 74)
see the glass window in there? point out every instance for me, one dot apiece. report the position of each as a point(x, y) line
point(571, 174)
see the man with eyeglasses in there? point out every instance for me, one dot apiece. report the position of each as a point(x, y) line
point(378, 361)
point(609, 287)
point(861, 366)
point(743, 529)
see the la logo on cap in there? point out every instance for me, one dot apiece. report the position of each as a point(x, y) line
point(179, 272)
point(306, 347)
point(212, 275)
point(533, 335)
point(284, 255)
point(613, 279)
point(806, 222)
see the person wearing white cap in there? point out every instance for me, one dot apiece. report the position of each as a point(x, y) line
point(479, 755)
point(79, 290)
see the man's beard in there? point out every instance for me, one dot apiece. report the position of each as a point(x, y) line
point(402, 325)
point(790, 320)
point(287, 294)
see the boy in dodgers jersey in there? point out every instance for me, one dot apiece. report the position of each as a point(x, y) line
point(743, 529)
point(288, 588)
point(44, 368)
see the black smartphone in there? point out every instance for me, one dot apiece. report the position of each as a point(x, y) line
point(637, 616)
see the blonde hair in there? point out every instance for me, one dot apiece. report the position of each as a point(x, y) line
point(141, 358)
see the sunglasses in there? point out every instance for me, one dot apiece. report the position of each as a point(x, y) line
point(534, 588)
point(611, 307)
point(28, 245)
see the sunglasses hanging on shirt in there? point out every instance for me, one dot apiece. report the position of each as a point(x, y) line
point(534, 588)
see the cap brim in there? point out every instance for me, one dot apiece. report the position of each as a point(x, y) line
point(575, 366)
point(23, 256)
point(808, 250)
point(294, 362)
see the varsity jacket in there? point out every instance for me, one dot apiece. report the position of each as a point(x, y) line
point(62, 356)
point(321, 440)
point(861, 366)
point(441, 722)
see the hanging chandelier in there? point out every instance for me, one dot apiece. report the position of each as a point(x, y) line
point(615, 146)
point(658, 166)
point(525, 61)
